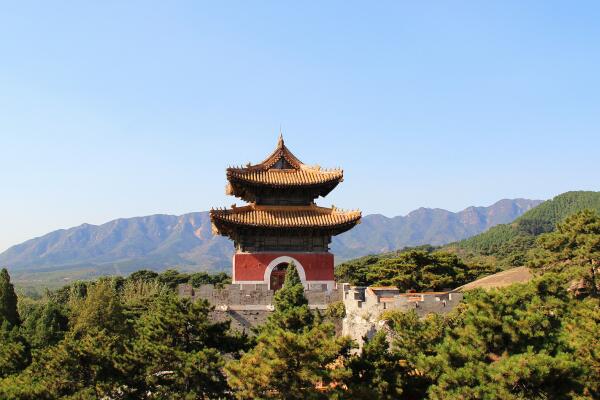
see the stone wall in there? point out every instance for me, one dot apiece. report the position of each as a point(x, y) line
point(249, 305)
point(364, 306)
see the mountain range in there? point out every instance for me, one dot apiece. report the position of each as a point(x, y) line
point(161, 241)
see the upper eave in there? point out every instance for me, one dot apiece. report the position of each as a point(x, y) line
point(305, 176)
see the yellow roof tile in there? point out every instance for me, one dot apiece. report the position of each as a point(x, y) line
point(310, 216)
point(295, 174)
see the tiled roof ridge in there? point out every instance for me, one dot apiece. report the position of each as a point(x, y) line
point(282, 151)
point(268, 207)
point(286, 216)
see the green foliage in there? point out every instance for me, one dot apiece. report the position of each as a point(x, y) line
point(8, 301)
point(377, 372)
point(412, 269)
point(286, 364)
point(204, 278)
point(177, 353)
point(171, 278)
point(44, 322)
point(115, 338)
point(143, 275)
point(295, 352)
point(14, 350)
point(291, 307)
point(100, 310)
point(510, 243)
point(507, 344)
point(336, 310)
point(573, 249)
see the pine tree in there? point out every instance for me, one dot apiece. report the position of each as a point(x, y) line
point(291, 307)
point(178, 351)
point(8, 300)
point(295, 352)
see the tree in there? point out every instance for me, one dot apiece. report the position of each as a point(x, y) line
point(8, 301)
point(291, 307)
point(297, 356)
point(388, 367)
point(421, 270)
point(506, 344)
point(573, 249)
point(172, 278)
point(143, 275)
point(14, 350)
point(292, 365)
point(376, 372)
point(178, 352)
point(44, 323)
point(100, 310)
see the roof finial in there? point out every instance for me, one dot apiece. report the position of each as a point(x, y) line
point(280, 141)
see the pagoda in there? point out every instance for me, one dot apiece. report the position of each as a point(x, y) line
point(281, 223)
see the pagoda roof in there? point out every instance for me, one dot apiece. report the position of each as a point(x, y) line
point(285, 177)
point(283, 169)
point(268, 216)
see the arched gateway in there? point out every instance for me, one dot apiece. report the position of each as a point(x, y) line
point(281, 223)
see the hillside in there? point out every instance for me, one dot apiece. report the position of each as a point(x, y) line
point(159, 241)
point(379, 234)
point(508, 243)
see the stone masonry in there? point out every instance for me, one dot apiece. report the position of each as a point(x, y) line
point(249, 305)
point(364, 306)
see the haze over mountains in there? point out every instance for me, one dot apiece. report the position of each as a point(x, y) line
point(160, 241)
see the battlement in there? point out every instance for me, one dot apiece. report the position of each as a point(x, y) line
point(364, 306)
point(249, 305)
point(255, 296)
point(379, 299)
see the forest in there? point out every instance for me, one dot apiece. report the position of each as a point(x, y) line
point(134, 338)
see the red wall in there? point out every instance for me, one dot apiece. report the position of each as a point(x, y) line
point(251, 267)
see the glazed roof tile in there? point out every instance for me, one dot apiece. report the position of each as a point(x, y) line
point(295, 173)
point(286, 216)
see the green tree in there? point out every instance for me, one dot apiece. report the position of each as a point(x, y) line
point(143, 275)
point(506, 344)
point(14, 350)
point(573, 249)
point(100, 310)
point(388, 367)
point(291, 307)
point(8, 300)
point(297, 356)
point(292, 365)
point(44, 323)
point(421, 271)
point(172, 278)
point(178, 352)
point(377, 373)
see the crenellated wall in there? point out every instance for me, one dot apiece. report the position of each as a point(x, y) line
point(364, 306)
point(249, 305)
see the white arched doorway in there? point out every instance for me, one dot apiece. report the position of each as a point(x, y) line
point(284, 260)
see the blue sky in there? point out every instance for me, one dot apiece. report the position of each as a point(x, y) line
point(119, 109)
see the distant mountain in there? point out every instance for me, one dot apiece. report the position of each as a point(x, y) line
point(160, 241)
point(508, 243)
point(378, 234)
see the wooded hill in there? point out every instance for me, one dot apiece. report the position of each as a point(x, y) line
point(507, 244)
